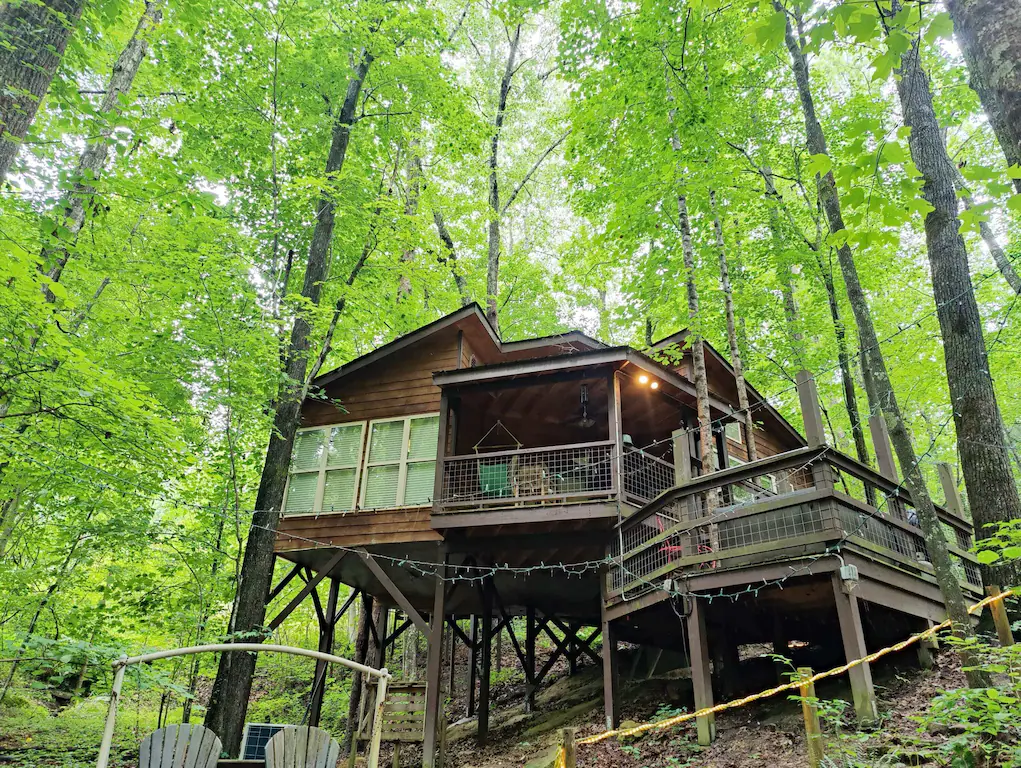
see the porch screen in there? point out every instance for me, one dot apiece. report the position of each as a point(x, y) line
point(401, 462)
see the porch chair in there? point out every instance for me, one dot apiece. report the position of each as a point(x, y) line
point(676, 550)
point(180, 746)
point(304, 747)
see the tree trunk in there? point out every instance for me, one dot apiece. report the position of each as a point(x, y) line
point(985, 461)
point(881, 394)
point(361, 654)
point(229, 700)
point(94, 156)
point(410, 210)
point(35, 36)
point(989, 33)
point(844, 361)
point(1004, 264)
point(735, 349)
point(493, 263)
point(451, 259)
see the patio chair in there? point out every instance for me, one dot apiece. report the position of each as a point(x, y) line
point(304, 747)
point(180, 746)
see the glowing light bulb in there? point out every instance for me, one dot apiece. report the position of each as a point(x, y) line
point(643, 379)
point(654, 385)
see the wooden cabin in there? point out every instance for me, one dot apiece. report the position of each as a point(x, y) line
point(556, 480)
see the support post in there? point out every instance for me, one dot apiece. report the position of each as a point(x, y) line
point(530, 633)
point(853, 637)
point(615, 434)
point(434, 671)
point(453, 658)
point(925, 647)
point(682, 456)
point(567, 743)
point(701, 678)
point(315, 704)
point(377, 721)
point(111, 715)
point(731, 655)
point(810, 710)
point(951, 495)
point(473, 664)
point(808, 397)
point(999, 612)
point(881, 445)
point(611, 676)
point(487, 660)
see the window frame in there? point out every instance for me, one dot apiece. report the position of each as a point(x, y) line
point(324, 467)
point(402, 462)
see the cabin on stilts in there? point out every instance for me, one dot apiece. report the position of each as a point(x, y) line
point(445, 472)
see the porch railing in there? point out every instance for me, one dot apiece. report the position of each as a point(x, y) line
point(781, 506)
point(644, 476)
point(550, 474)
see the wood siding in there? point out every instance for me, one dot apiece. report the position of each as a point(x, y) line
point(399, 385)
point(355, 529)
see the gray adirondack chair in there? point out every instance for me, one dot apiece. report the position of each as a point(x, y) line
point(180, 746)
point(303, 747)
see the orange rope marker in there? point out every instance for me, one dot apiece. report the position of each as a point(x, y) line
point(796, 684)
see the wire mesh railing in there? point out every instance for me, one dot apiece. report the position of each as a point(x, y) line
point(644, 476)
point(529, 475)
point(807, 496)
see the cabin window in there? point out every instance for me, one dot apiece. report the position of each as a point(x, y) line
point(733, 430)
point(324, 469)
point(400, 466)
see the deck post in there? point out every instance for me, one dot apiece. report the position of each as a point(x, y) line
point(611, 676)
point(701, 678)
point(953, 501)
point(453, 658)
point(441, 451)
point(616, 438)
point(808, 397)
point(530, 633)
point(487, 660)
point(434, 673)
point(731, 655)
point(881, 445)
point(925, 647)
point(473, 664)
point(853, 636)
point(326, 629)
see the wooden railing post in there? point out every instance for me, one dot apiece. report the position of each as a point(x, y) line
point(951, 495)
point(808, 397)
point(999, 612)
point(810, 710)
point(567, 743)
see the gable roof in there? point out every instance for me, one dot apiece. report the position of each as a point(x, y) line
point(473, 314)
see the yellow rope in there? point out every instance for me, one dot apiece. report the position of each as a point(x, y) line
point(561, 758)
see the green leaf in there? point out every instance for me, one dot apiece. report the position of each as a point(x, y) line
point(940, 26)
point(883, 65)
point(987, 556)
point(1014, 203)
point(1012, 553)
point(819, 164)
point(57, 290)
point(1014, 172)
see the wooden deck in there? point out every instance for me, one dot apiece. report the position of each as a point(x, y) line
point(782, 515)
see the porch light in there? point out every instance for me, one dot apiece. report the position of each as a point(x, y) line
point(654, 385)
point(643, 379)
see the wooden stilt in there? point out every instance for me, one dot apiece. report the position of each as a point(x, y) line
point(611, 677)
point(731, 657)
point(487, 660)
point(434, 718)
point(853, 636)
point(701, 679)
point(453, 659)
point(326, 627)
point(473, 664)
point(530, 633)
point(925, 647)
point(999, 612)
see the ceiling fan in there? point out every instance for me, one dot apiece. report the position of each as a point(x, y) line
point(583, 420)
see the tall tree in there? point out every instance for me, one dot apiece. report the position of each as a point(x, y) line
point(985, 461)
point(229, 699)
point(93, 159)
point(882, 397)
point(735, 349)
point(989, 32)
point(35, 34)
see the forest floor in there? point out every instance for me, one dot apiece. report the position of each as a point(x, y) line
point(771, 731)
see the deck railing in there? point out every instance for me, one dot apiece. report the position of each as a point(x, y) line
point(776, 507)
point(644, 476)
point(550, 474)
